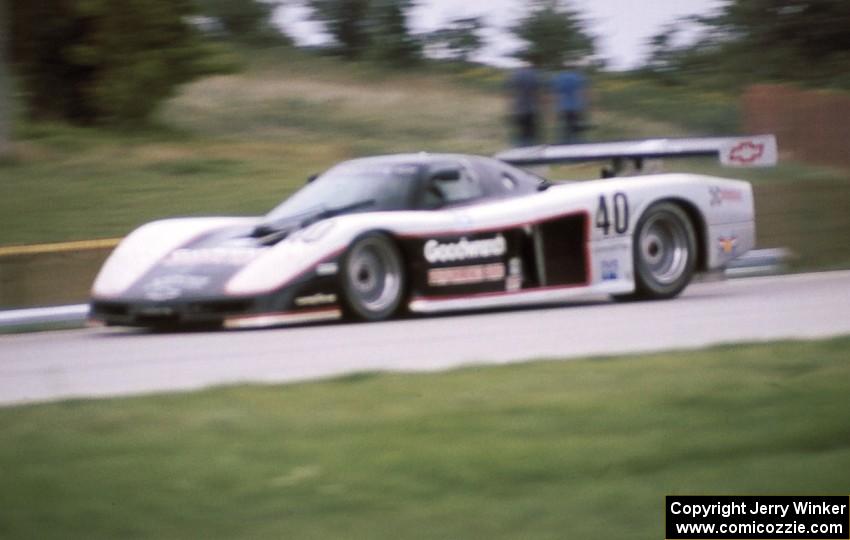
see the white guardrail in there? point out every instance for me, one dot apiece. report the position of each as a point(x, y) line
point(44, 315)
point(757, 262)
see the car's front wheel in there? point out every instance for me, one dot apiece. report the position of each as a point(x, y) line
point(664, 252)
point(373, 278)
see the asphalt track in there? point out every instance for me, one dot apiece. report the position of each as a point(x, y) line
point(111, 362)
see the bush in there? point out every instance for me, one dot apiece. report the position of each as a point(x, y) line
point(98, 61)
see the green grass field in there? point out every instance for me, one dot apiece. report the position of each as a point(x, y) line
point(579, 449)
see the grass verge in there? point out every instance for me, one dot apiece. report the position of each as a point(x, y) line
point(580, 449)
point(696, 106)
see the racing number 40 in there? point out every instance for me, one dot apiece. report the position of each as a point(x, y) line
point(619, 212)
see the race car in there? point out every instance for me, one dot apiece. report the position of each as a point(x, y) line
point(375, 237)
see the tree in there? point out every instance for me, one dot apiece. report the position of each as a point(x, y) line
point(347, 23)
point(92, 61)
point(813, 29)
point(681, 50)
point(460, 39)
point(244, 20)
point(374, 28)
point(5, 91)
point(663, 50)
point(553, 34)
point(751, 40)
point(788, 38)
point(390, 39)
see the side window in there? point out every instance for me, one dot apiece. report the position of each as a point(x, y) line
point(450, 184)
point(523, 182)
point(502, 180)
point(459, 190)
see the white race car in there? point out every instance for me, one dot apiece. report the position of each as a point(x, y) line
point(426, 233)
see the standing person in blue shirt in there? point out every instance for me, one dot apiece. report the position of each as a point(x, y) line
point(524, 86)
point(569, 88)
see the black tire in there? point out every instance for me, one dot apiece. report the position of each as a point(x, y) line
point(665, 253)
point(373, 278)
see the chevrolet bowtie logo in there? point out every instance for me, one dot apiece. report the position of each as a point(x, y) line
point(727, 245)
point(746, 152)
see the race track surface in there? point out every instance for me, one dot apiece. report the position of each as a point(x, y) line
point(111, 362)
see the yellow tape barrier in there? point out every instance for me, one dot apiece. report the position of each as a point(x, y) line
point(60, 247)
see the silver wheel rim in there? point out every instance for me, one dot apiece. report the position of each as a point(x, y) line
point(664, 247)
point(374, 273)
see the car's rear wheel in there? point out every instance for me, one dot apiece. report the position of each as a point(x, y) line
point(373, 278)
point(664, 252)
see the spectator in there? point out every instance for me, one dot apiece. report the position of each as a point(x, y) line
point(524, 87)
point(569, 88)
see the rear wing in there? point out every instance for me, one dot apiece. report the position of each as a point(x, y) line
point(747, 151)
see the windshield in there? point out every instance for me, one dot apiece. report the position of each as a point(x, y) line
point(389, 186)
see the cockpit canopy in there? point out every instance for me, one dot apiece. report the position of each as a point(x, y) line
point(406, 182)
